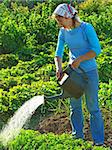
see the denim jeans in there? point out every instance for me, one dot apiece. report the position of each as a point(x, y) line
point(76, 115)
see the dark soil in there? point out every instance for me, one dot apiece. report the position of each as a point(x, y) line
point(60, 123)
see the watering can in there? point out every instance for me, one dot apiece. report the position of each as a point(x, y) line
point(72, 84)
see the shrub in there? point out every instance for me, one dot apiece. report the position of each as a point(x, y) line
point(22, 29)
point(105, 94)
point(98, 13)
point(8, 60)
point(104, 62)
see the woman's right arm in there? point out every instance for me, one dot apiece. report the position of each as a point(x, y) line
point(59, 54)
point(58, 63)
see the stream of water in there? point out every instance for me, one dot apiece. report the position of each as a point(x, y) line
point(14, 125)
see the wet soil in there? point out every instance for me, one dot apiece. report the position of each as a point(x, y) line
point(60, 123)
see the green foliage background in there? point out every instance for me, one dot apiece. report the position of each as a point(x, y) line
point(28, 39)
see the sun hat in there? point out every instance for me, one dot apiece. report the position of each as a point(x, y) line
point(65, 10)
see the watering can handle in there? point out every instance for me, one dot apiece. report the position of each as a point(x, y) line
point(84, 73)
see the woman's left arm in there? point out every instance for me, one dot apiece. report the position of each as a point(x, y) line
point(87, 56)
point(95, 48)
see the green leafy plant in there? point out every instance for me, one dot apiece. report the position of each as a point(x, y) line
point(34, 140)
point(105, 64)
point(105, 94)
point(8, 60)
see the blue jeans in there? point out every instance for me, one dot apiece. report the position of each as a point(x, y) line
point(76, 115)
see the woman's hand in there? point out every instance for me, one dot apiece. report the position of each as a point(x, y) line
point(76, 63)
point(58, 63)
point(59, 74)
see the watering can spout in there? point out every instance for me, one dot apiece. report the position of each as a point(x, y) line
point(63, 94)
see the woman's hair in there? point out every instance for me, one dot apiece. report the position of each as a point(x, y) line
point(76, 18)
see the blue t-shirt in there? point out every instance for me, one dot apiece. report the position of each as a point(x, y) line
point(80, 40)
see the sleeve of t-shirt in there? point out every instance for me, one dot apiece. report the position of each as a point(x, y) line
point(93, 39)
point(60, 44)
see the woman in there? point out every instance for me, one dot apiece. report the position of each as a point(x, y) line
point(84, 46)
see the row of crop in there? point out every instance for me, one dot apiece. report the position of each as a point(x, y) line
point(23, 68)
point(40, 65)
point(46, 51)
point(17, 95)
point(16, 90)
point(29, 139)
point(9, 82)
point(45, 73)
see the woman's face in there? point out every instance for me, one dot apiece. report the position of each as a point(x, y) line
point(64, 22)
